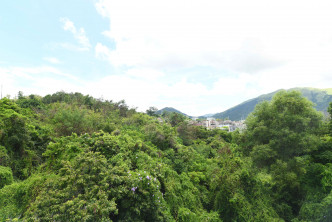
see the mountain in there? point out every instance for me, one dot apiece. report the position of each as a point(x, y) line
point(170, 109)
point(320, 97)
point(208, 115)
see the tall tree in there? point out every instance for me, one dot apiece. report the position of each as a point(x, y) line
point(286, 126)
point(152, 111)
point(279, 133)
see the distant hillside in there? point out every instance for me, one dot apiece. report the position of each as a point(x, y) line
point(320, 97)
point(207, 115)
point(170, 109)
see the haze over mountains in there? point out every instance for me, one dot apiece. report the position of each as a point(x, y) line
point(320, 97)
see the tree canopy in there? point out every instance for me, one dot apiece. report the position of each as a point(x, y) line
point(71, 157)
point(287, 125)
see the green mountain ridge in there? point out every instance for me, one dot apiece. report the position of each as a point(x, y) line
point(320, 97)
point(170, 109)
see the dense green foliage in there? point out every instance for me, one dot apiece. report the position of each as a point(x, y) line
point(70, 157)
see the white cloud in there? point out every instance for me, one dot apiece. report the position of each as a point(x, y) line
point(143, 87)
point(140, 88)
point(147, 90)
point(52, 60)
point(246, 47)
point(79, 35)
point(144, 73)
point(254, 47)
point(102, 51)
point(136, 92)
point(39, 80)
point(215, 33)
point(36, 72)
point(6, 81)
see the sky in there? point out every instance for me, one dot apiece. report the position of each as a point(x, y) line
point(197, 56)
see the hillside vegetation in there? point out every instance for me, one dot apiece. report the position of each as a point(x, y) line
point(169, 109)
point(320, 97)
point(70, 157)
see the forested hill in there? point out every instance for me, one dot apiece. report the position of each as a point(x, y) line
point(170, 109)
point(71, 157)
point(320, 97)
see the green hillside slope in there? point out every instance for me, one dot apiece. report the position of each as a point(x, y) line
point(170, 109)
point(320, 97)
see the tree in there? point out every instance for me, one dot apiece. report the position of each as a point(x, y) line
point(330, 112)
point(6, 176)
point(287, 125)
point(278, 135)
point(152, 111)
point(174, 118)
point(32, 101)
point(15, 137)
point(81, 193)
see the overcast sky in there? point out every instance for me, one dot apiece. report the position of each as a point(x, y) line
point(196, 56)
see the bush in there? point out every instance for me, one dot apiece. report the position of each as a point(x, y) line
point(16, 197)
point(6, 176)
point(80, 194)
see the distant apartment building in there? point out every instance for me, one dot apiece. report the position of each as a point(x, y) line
point(212, 123)
point(232, 125)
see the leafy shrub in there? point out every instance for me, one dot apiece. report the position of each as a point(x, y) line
point(4, 158)
point(16, 197)
point(79, 194)
point(6, 176)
